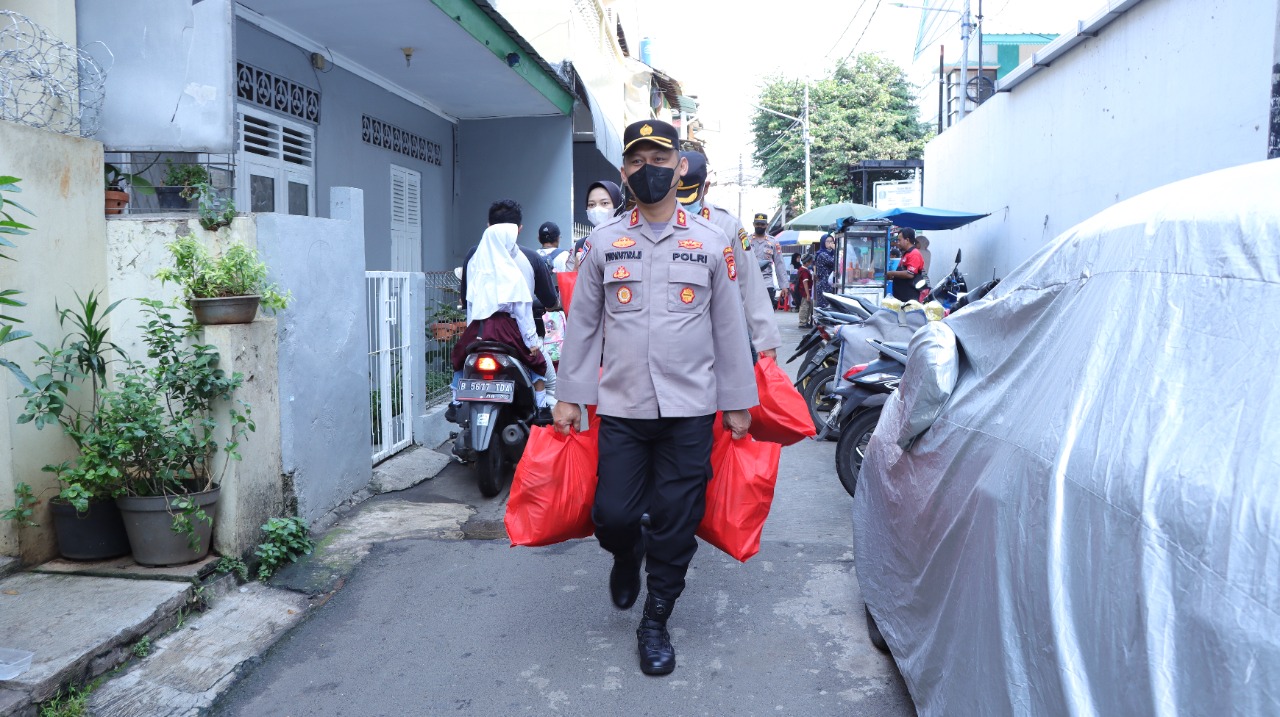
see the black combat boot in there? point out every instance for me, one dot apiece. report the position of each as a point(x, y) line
point(624, 578)
point(657, 656)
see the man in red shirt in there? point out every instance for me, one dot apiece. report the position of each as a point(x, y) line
point(911, 266)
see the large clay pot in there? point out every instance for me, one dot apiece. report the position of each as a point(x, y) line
point(116, 201)
point(225, 310)
point(96, 534)
point(149, 522)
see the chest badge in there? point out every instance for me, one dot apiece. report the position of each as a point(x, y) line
point(624, 295)
point(729, 265)
point(689, 244)
point(624, 242)
point(622, 273)
point(687, 295)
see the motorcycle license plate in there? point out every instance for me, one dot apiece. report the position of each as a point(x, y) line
point(471, 389)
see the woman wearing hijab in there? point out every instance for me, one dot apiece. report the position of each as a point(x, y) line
point(500, 283)
point(824, 265)
point(604, 198)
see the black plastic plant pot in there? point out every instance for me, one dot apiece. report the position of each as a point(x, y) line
point(96, 534)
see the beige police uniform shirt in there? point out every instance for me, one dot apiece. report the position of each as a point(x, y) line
point(672, 313)
point(755, 298)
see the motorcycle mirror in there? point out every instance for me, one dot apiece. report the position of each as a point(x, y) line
point(957, 256)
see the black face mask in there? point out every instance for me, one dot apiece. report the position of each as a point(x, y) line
point(760, 229)
point(651, 183)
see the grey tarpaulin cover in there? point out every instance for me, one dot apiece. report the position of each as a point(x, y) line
point(885, 325)
point(933, 362)
point(1092, 524)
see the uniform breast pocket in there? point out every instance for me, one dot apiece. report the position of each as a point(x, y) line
point(688, 288)
point(622, 286)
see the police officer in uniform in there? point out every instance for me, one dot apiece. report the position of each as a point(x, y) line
point(657, 341)
point(692, 193)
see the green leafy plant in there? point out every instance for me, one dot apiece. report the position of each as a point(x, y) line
point(73, 702)
point(9, 228)
point(213, 210)
point(446, 312)
point(188, 176)
point(24, 503)
point(228, 564)
point(83, 356)
point(236, 272)
point(115, 178)
point(287, 539)
point(142, 647)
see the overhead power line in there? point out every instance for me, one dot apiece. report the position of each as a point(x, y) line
point(866, 27)
point(861, 5)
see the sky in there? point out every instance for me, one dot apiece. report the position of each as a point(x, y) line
point(724, 51)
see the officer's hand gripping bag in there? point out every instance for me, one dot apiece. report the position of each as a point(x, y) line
point(740, 492)
point(554, 487)
point(566, 280)
point(782, 416)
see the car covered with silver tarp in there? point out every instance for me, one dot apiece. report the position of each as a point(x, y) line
point(1073, 508)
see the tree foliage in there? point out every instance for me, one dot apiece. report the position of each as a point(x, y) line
point(864, 110)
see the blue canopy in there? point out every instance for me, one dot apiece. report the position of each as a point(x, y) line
point(927, 217)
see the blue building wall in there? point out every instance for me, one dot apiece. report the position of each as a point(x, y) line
point(343, 159)
point(528, 159)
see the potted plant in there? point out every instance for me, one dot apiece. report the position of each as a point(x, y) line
point(223, 289)
point(181, 185)
point(162, 420)
point(85, 518)
point(10, 227)
point(447, 321)
point(116, 198)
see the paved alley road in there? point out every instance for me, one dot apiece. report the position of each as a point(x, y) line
point(475, 627)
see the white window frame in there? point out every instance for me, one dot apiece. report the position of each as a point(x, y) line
point(406, 223)
point(277, 168)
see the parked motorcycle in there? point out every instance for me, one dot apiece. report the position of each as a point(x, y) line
point(857, 407)
point(949, 290)
point(498, 407)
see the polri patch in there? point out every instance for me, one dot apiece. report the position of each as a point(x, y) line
point(686, 256)
point(687, 295)
point(689, 244)
point(624, 295)
point(624, 242)
point(729, 264)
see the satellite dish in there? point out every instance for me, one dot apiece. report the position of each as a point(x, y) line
point(980, 89)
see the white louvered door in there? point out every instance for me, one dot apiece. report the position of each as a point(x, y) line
point(275, 167)
point(406, 219)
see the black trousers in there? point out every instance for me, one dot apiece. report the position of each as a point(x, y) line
point(661, 467)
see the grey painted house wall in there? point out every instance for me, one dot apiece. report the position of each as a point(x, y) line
point(344, 160)
point(323, 352)
point(528, 159)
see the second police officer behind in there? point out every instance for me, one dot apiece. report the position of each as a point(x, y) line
point(692, 193)
point(657, 341)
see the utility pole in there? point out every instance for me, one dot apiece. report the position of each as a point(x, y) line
point(808, 202)
point(739, 186)
point(804, 122)
point(964, 61)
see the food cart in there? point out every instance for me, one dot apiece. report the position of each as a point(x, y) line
point(862, 258)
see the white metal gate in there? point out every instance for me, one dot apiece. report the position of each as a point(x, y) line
point(391, 380)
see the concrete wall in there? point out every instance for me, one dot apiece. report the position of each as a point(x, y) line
point(56, 16)
point(323, 354)
point(1172, 89)
point(171, 83)
point(344, 160)
point(528, 159)
point(62, 185)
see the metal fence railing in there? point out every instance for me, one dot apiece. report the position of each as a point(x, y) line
point(445, 322)
point(389, 298)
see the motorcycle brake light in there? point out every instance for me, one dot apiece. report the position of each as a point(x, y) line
point(855, 370)
point(487, 367)
point(823, 332)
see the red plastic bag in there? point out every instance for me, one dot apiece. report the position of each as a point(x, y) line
point(566, 280)
point(782, 416)
point(743, 475)
point(554, 487)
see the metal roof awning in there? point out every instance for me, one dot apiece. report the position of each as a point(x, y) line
point(607, 137)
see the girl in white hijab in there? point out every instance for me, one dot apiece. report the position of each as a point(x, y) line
point(500, 279)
